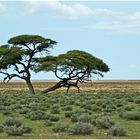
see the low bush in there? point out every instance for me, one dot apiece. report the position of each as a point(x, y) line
point(67, 108)
point(75, 114)
point(88, 106)
point(7, 112)
point(137, 101)
point(54, 118)
point(13, 130)
point(48, 123)
point(117, 131)
point(104, 122)
point(128, 107)
point(27, 129)
point(69, 102)
point(14, 127)
point(24, 111)
point(55, 111)
point(12, 122)
point(130, 115)
point(68, 114)
point(37, 115)
point(85, 118)
point(74, 117)
point(1, 128)
point(55, 106)
point(95, 108)
point(81, 128)
point(61, 127)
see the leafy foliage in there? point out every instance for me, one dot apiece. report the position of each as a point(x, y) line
point(81, 128)
point(37, 115)
point(20, 54)
point(75, 65)
point(14, 130)
point(104, 122)
point(61, 127)
point(117, 131)
point(14, 127)
point(135, 115)
point(98, 120)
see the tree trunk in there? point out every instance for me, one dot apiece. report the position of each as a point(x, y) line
point(56, 86)
point(30, 86)
point(60, 84)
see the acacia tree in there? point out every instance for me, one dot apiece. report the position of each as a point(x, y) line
point(19, 55)
point(71, 68)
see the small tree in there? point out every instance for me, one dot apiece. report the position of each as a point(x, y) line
point(71, 68)
point(20, 53)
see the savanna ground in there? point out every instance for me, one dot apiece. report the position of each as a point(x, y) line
point(103, 110)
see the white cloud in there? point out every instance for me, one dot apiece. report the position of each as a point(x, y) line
point(103, 19)
point(2, 8)
point(121, 23)
point(70, 11)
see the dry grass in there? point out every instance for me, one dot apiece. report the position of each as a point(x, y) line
point(97, 87)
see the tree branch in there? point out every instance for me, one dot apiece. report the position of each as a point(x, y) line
point(55, 71)
point(10, 76)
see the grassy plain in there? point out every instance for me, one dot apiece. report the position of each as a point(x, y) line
point(113, 98)
point(99, 86)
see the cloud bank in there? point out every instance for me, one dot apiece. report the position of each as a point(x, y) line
point(99, 18)
point(103, 19)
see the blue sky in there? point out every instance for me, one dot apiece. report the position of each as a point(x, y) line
point(109, 30)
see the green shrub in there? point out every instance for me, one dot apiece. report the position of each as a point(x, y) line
point(24, 110)
point(55, 106)
point(48, 123)
point(37, 115)
point(68, 114)
point(13, 130)
point(55, 111)
point(61, 127)
point(104, 122)
point(120, 103)
point(93, 120)
point(130, 99)
point(7, 112)
point(95, 108)
point(89, 112)
point(99, 102)
point(74, 117)
point(27, 129)
point(128, 107)
point(108, 109)
point(88, 106)
point(130, 115)
point(1, 128)
point(81, 128)
point(75, 114)
point(54, 118)
point(69, 102)
point(137, 101)
point(85, 118)
point(67, 108)
point(117, 131)
point(12, 122)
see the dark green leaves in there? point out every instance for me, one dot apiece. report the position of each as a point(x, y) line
point(32, 42)
point(10, 56)
point(73, 63)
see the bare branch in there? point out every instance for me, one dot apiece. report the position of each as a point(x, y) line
point(10, 76)
point(55, 71)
